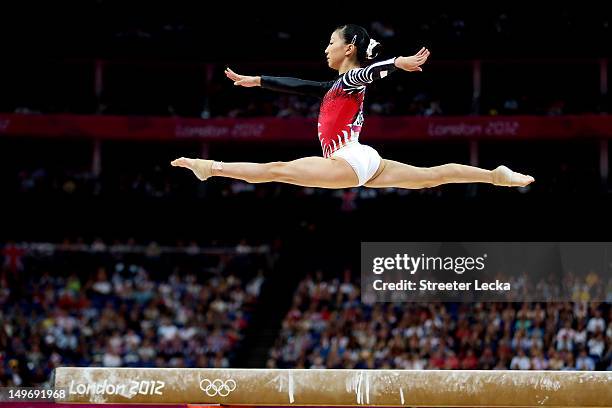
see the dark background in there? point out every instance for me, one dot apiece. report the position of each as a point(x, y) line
point(537, 59)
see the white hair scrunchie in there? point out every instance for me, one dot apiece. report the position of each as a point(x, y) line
point(373, 43)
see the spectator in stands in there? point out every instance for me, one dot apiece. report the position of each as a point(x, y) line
point(596, 323)
point(584, 362)
point(520, 361)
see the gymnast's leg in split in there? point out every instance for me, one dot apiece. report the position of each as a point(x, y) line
point(338, 173)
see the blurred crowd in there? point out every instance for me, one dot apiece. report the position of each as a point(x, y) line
point(122, 304)
point(329, 327)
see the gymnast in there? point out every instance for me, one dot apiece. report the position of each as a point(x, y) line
point(346, 162)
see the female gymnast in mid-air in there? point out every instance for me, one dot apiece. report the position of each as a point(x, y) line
point(346, 162)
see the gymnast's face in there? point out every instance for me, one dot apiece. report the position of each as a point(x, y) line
point(337, 50)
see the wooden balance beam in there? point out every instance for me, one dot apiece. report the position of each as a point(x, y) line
point(327, 387)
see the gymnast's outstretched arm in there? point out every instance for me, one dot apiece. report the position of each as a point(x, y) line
point(281, 84)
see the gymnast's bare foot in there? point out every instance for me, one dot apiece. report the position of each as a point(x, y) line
point(201, 168)
point(503, 176)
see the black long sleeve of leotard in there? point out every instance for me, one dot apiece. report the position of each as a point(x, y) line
point(351, 80)
point(296, 85)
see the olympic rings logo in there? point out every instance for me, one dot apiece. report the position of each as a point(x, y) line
point(217, 387)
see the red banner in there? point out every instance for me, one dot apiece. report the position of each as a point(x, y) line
point(304, 129)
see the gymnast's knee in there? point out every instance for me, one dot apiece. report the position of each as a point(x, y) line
point(441, 174)
point(433, 177)
point(280, 171)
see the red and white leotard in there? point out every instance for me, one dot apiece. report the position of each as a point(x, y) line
point(341, 112)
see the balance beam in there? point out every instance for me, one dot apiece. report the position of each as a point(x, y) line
point(320, 387)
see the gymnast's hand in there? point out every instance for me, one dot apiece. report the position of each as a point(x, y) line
point(243, 80)
point(413, 63)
